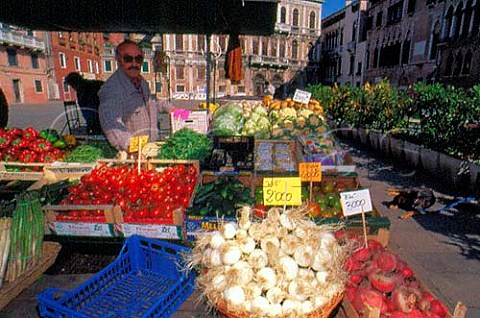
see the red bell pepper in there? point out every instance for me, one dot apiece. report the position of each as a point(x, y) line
point(11, 154)
point(5, 139)
point(15, 132)
point(41, 145)
point(19, 143)
point(30, 133)
point(46, 157)
point(27, 156)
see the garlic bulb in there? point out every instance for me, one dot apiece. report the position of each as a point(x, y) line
point(231, 255)
point(303, 255)
point(266, 278)
point(258, 258)
point(216, 240)
point(288, 267)
point(234, 295)
point(229, 230)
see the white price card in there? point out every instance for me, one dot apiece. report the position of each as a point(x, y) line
point(302, 96)
point(356, 202)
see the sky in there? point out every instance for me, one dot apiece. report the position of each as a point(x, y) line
point(331, 6)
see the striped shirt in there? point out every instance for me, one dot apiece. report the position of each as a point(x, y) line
point(126, 111)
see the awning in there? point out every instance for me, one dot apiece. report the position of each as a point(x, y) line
point(252, 17)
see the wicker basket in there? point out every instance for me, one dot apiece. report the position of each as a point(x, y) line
point(323, 312)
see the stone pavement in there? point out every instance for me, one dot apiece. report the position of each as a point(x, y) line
point(442, 248)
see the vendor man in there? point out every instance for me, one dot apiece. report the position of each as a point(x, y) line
point(125, 107)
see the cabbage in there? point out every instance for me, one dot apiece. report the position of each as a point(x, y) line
point(228, 120)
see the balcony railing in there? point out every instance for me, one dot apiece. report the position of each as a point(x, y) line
point(258, 61)
point(22, 40)
point(283, 28)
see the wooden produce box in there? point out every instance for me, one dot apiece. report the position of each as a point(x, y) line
point(79, 220)
point(21, 171)
point(276, 157)
point(11, 290)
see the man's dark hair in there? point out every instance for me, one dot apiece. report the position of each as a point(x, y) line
point(125, 42)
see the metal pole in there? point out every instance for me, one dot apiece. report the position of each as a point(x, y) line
point(207, 95)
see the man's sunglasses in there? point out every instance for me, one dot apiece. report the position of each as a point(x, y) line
point(129, 59)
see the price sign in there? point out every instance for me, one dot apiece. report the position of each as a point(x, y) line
point(136, 142)
point(356, 202)
point(310, 171)
point(282, 191)
point(302, 96)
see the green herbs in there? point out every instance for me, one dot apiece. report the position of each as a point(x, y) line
point(186, 144)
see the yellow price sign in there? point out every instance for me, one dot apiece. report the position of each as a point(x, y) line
point(310, 171)
point(282, 191)
point(136, 142)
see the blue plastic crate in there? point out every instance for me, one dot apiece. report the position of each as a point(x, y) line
point(146, 280)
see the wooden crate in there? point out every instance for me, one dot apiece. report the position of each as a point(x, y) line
point(21, 171)
point(11, 290)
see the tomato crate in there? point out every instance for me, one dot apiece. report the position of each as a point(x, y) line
point(21, 171)
point(81, 220)
point(147, 279)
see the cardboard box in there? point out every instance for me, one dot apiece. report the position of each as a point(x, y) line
point(197, 120)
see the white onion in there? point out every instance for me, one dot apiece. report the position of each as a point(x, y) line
point(289, 243)
point(245, 272)
point(229, 230)
point(267, 278)
point(327, 240)
point(247, 245)
point(275, 295)
point(303, 255)
point(215, 258)
point(289, 267)
point(274, 310)
point(259, 304)
point(231, 255)
point(234, 295)
point(219, 282)
point(216, 240)
point(258, 258)
point(253, 290)
point(322, 277)
point(289, 307)
point(307, 307)
point(286, 222)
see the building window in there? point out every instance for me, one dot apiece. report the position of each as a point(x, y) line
point(435, 41)
point(145, 67)
point(158, 87)
point(354, 31)
point(394, 13)
point(406, 52)
point(66, 87)
point(12, 57)
point(281, 50)
point(411, 6)
point(378, 20)
point(352, 64)
point(295, 49)
point(107, 66)
point(38, 86)
point(311, 21)
point(359, 68)
point(458, 64)
point(179, 42)
point(375, 58)
point(179, 72)
point(273, 47)
point(241, 89)
point(467, 63)
point(255, 46)
point(295, 18)
point(201, 72)
point(96, 67)
point(448, 68)
point(265, 46)
point(180, 88)
point(63, 60)
point(201, 42)
point(283, 15)
point(76, 62)
point(90, 66)
point(35, 63)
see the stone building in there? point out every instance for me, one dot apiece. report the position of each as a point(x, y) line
point(343, 44)
point(459, 43)
point(288, 59)
point(24, 70)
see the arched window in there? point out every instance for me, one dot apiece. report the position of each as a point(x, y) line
point(375, 57)
point(458, 64)
point(281, 49)
point(448, 24)
point(467, 18)
point(273, 47)
point(434, 41)
point(255, 47)
point(283, 15)
point(311, 21)
point(448, 67)
point(295, 17)
point(457, 21)
point(294, 49)
point(201, 42)
point(467, 62)
point(179, 42)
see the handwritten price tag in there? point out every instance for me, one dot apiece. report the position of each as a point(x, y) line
point(282, 191)
point(356, 202)
point(302, 96)
point(310, 171)
point(136, 142)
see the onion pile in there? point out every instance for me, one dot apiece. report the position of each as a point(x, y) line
point(282, 266)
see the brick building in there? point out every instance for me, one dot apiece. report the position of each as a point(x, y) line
point(24, 69)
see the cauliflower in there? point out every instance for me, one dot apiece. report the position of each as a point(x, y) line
point(305, 112)
point(287, 113)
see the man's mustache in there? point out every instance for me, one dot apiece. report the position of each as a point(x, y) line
point(134, 68)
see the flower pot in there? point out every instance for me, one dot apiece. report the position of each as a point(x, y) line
point(412, 154)
point(363, 136)
point(396, 149)
point(374, 138)
point(430, 160)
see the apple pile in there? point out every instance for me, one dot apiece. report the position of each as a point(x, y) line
point(378, 278)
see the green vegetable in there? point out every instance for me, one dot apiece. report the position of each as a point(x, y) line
point(186, 144)
point(50, 135)
point(228, 120)
point(221, 197)
point(60, 144)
